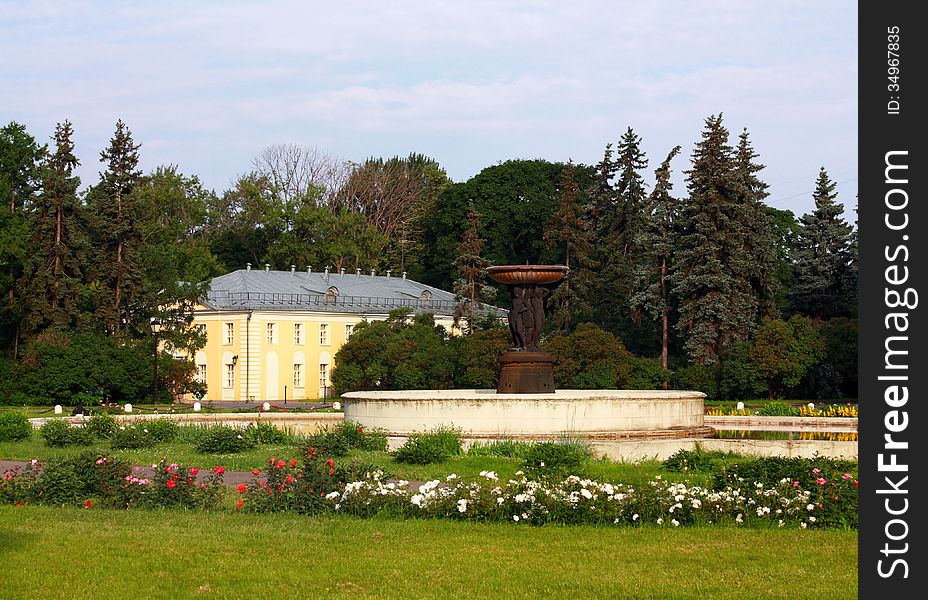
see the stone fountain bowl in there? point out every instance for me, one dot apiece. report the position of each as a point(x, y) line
point(527, 274)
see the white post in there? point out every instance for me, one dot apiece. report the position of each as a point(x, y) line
point(196, 407)
point(128, 408)
point(58, 409)
point(267, 406)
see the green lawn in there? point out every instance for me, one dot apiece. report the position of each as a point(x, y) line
point(74, 553)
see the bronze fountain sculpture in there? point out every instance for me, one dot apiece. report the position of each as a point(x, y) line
point(526, 368)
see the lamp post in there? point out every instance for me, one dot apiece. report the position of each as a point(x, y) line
point(155, 329)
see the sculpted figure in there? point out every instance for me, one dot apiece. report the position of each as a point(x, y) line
point(520, 305)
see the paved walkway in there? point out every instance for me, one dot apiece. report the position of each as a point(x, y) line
point(231, 478)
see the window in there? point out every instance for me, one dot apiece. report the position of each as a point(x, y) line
point(201, 373)
point(230, 376)
point(425, 299)
point(324, 334)
point(271, 333)
point(230, 333)
point(201, 329)
point(323, 380)
point(297, 375)
point(297, 333)
point(349, 329)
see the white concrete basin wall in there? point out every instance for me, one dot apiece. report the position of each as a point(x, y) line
point(484, 412)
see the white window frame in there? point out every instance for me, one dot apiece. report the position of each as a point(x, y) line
point(229, 381)
point(298, 375)
point(271, 337)
point(323, 334)
point(349, 329)
point(323, 379)
point(201, 373)
point(229, 337)
point(298, 334)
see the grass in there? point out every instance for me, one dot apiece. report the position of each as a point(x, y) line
point(72, 553)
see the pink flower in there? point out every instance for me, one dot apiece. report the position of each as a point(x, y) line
point(795, 484)
point(816, 471)
point(171, 483)
point(846, 476)
point(855, 483)
point(219, 470)
point(100, 461)
point(820, 480)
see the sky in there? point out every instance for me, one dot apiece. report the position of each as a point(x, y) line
point(207, 85)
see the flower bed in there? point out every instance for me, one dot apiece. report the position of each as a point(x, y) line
point(808, 497)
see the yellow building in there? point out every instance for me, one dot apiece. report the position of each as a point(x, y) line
point(273, 335)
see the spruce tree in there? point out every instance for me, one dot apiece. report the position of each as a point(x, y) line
point(759, 259)
point(20, 181)
point(619, 221)
point(53, 276)
point(470, 287)
point(569, 230)
point(657, 242)
point(716, 302)
point(823, 256)
point(117, 219)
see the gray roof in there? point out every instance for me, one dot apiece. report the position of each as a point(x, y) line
point(255, 289)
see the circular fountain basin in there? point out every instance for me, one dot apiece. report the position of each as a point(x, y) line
point(485, 413)
point(527, 274)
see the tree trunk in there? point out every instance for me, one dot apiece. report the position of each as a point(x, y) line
point(665, 319)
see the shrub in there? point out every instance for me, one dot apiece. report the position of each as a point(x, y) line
point(503, 448)
point(174, 485)
point(557, 459)
point(371, 440)
point(222, 439)
point(14, 426)
point(432, 447)
point(57, 433)
point(337, 440)
point(697, 460)
point(771, 470)
point(778, 408)
point(589, 358)
point(285, 486)
point(161, 430)
point(266, 433)
point(101, 425)
point(131, 437)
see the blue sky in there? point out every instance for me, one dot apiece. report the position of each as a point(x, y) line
point(207, 85)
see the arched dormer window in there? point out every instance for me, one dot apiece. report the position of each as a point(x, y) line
point(425, 299)
point(331, 294)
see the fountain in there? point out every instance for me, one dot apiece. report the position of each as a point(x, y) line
point(526, 404)
point(526, 368)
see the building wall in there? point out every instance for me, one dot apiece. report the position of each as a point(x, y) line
point(263, 362)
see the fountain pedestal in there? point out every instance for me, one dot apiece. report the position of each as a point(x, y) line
point(526, 372)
